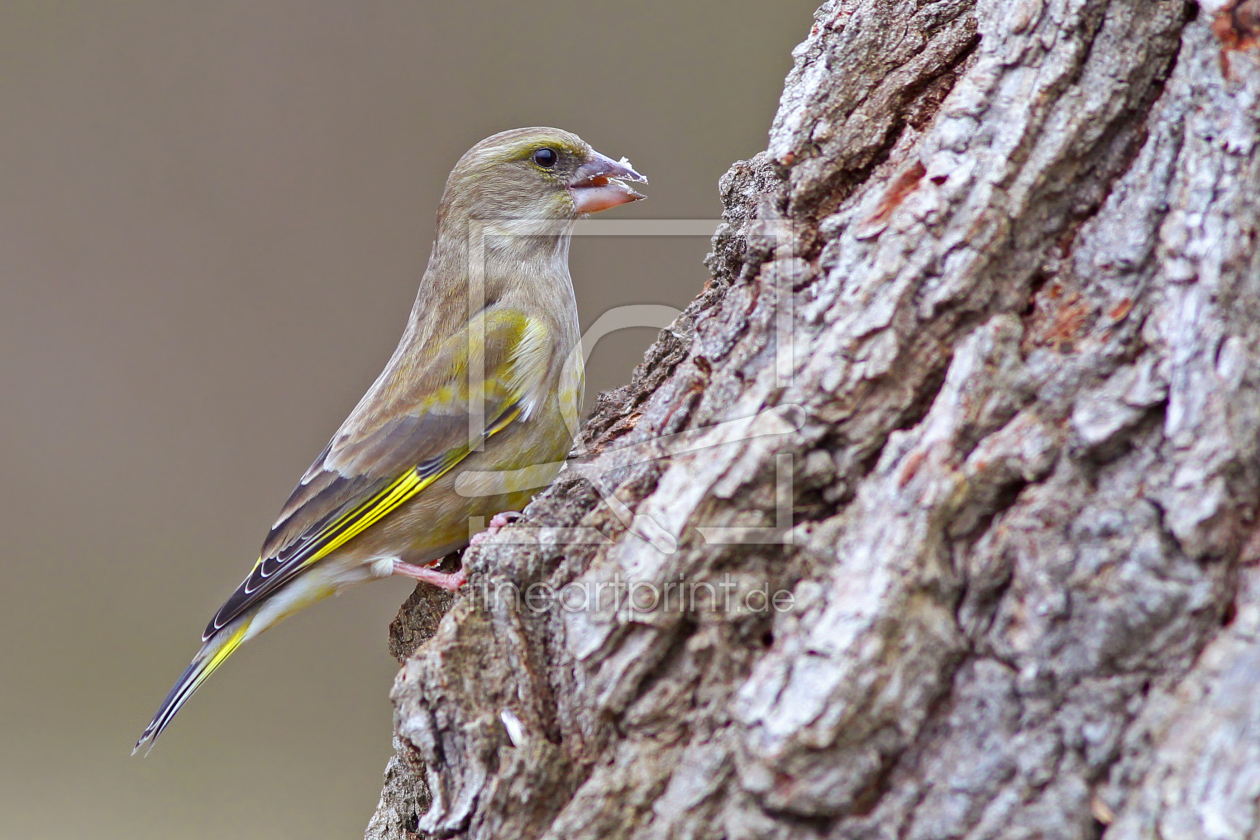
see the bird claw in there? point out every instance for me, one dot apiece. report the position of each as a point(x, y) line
point(495, 525)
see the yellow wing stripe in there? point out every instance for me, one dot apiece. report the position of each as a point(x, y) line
point(405, 487)
point(402, 489)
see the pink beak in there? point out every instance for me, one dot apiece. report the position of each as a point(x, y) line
point(594, 186)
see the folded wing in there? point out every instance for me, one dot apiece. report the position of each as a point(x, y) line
point(411, 428)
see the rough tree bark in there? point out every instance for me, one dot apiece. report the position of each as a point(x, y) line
point(989, 305)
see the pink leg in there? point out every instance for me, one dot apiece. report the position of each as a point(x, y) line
point(495, 525)
point(450, 581)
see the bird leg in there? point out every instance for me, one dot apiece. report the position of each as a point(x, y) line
point(450, 581)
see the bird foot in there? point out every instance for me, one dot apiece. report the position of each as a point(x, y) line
point(450, 581)
point(495, 525)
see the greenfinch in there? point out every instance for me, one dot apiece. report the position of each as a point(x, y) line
point(487, 379)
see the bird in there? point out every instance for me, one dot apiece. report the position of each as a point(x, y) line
point(486, 380)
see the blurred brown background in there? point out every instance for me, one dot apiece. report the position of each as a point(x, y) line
point(212, 220)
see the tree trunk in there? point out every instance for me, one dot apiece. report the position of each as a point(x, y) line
point(962, 522)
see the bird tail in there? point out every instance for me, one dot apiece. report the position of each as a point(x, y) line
point(213, 653)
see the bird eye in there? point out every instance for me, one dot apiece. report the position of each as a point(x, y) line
point(546, 158)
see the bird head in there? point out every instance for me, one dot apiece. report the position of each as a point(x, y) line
point(535, 174)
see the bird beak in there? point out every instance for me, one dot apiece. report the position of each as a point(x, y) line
point(595, 187)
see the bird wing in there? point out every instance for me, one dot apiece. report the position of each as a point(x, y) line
point(411, 428)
